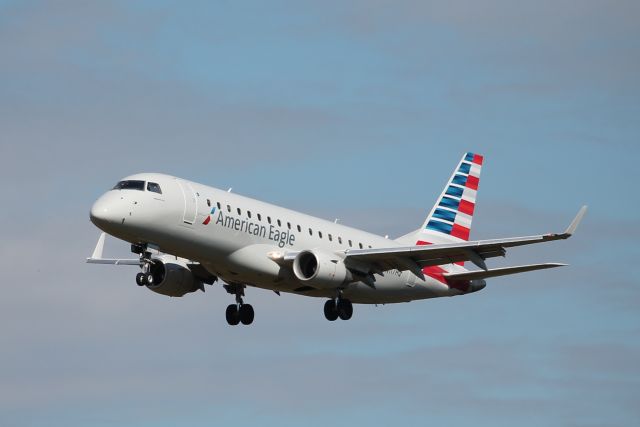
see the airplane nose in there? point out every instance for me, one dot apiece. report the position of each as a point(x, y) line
point(106, 211)
point(99, 213)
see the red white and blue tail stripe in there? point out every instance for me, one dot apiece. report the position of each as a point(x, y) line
point(450, 219)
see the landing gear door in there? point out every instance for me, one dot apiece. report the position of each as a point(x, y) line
point(190, 202)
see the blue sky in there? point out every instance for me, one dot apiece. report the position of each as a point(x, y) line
point(357, 110)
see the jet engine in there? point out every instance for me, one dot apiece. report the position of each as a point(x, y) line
point(320, 270)
point(171, 277)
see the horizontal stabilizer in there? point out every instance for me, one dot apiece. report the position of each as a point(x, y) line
point(482, 274)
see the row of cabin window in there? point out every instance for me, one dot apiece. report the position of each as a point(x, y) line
point(288, 225)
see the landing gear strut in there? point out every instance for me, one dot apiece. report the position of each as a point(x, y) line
point(239, 312)
point(339, 307)
point(145, 277)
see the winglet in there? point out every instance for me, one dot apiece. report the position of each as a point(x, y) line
point(576, 221)
point(97, 252)
point(96, 256)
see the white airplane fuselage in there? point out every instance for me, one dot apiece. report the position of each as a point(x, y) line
point(235, 237)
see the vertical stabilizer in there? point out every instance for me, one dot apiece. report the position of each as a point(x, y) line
point(450, 219)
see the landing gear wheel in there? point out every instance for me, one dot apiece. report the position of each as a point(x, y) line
point(330, 310)
point(246, 314)
point(141, 279)
point(149, 279)
point(344, 309)
point(233, 317)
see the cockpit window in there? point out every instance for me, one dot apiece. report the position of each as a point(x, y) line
point(154, 187)
point(130, 185)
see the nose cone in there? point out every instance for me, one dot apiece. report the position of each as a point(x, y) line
point(106, 211)
point(99, 213)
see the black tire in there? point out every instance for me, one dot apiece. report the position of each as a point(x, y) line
point(345, 309)
point(246, 314)
point(330, 311)
point(148, 278)
point(141, 279)
point(232, 315)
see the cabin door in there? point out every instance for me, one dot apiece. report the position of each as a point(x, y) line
point(190, 202)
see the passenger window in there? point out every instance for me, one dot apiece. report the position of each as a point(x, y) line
point(208, 202)
point(279, 223)
point(310, 232)
point(350, 244)
point(259, 217)
point(330, 237)
point(249, 214)
point(289, 225)
point(370, 247)
point(228, 208)
point(339, 239)
point(269, 219)
point(360, 245)
point(239, 211)
point(154, 187)
point(130, 185)
point(299, 229)
point(320, 234)
point(218, 204)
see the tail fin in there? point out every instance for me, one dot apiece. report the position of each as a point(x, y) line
point(450, 219)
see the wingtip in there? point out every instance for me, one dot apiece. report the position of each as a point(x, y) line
point(576, 221)
point(97, 252)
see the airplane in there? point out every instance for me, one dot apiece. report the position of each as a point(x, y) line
point(187, 235)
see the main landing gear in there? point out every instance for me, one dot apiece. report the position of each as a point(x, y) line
point(339, 307)
point(238, 312)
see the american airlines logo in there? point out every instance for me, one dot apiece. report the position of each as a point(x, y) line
point(282, 238)
point(207, 220)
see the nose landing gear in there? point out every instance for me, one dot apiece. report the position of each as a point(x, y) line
point(141, 279)
point(145, 277)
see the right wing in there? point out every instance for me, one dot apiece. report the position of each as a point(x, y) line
point(414, 258)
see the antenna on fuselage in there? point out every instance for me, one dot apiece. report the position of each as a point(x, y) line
point(229, 190)
point(335, 221)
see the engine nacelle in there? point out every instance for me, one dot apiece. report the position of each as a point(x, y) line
point(172, 277)
point(320, 270)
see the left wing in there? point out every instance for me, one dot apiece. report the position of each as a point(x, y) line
point(96, 257)
point(196, 268)
point(414, 258)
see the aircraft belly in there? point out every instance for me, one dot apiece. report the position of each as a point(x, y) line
point(252, 265)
